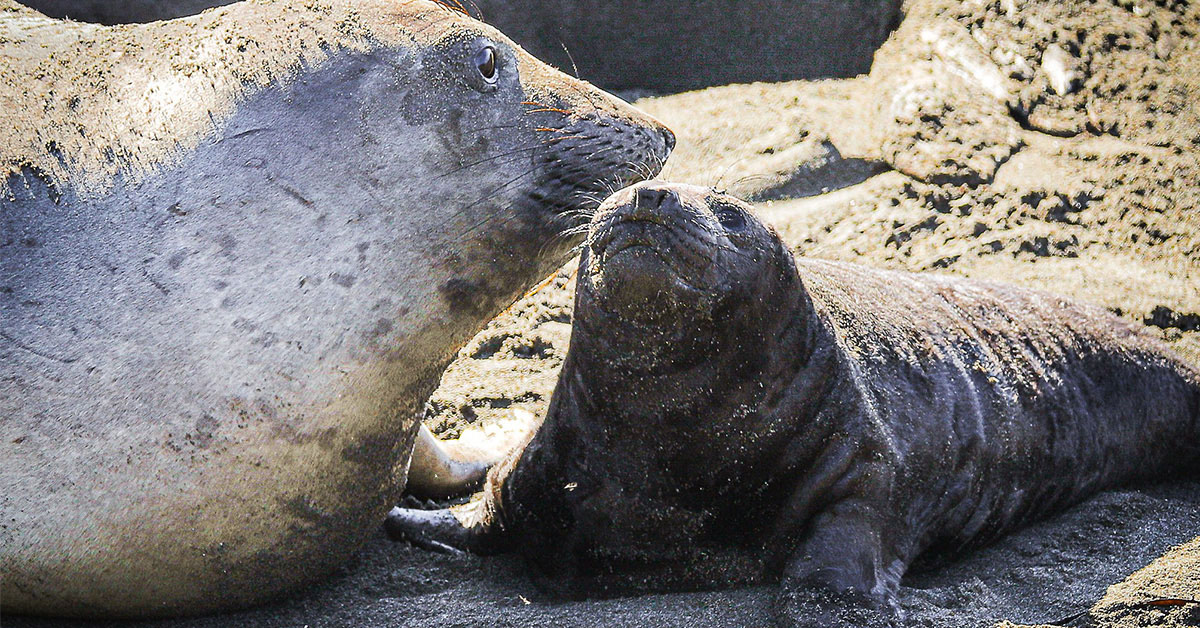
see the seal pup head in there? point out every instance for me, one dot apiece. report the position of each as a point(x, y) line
point(685, 304)
point(688, 309)
point(674, 272)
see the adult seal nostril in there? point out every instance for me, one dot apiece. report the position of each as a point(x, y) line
point(669, 138)
point(819, 424)
point(230, 280)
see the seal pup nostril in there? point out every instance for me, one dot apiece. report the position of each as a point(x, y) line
point(649, 198)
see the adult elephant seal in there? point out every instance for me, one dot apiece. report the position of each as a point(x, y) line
point(728, 414)
point(236, 252)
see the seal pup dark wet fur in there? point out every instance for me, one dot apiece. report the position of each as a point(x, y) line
point(729, 414)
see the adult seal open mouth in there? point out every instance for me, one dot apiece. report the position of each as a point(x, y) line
point(729, 414)
point(236, 252)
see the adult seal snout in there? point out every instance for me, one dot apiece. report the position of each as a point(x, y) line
point(236, 252)
point(730, 414)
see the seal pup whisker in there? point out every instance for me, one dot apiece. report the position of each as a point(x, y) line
point(728, 167)
point(571, 58)
point(590, 198)
point(569, 234)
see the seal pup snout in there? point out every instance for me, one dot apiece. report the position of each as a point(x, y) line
point(649, 254)
point(656, 250)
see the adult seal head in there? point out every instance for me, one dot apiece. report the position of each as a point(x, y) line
point(728, 414)
point(236, 252)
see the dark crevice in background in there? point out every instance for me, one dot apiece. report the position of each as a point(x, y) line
point(121, 11)
point(662, 46)
point(1166, 318)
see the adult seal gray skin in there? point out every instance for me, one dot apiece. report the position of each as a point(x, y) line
point(728, 414)
point(236, 252)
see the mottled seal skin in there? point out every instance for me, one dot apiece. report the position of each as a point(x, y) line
point(236, 252)
point(728, 414)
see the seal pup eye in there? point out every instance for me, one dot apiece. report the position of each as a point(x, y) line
point(729, 217)
point(485, 62)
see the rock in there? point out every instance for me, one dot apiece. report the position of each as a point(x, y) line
point(942, 106)
point(1061, 68)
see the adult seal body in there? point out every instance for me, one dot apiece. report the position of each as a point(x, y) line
point(236, 252)
point(729, 414)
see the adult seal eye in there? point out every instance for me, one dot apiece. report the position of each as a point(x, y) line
point(485, 62)
point(730, 218)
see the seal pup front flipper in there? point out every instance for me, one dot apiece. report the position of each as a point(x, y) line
point(469, 527)
point(433, 530)
point(445, 468)
point(475, 526)
point(437, 470)
point(844, 575)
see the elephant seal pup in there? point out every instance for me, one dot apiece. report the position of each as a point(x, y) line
point(236, 252)
point(728, 414)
